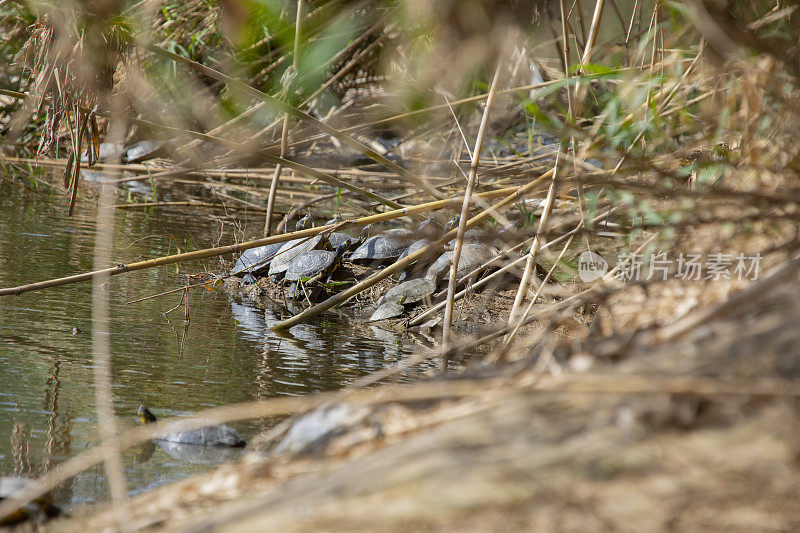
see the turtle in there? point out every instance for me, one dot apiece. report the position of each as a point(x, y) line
point(107, 152)
point(315, 263)
point(420, 263)
point(472, 236)
point(190, 453)
point(335, 220)
point(288, 251)
point(337, 237)
point(385, 246)
point(392, 303)
point(144, 150)
point(429, 229)
point(40, 509)
point(179, 432)
point(452, 223)
point(410, 291)
point(255, 260)
point(387, 310)
point(472, 257)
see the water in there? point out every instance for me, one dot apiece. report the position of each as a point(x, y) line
point(47, 403)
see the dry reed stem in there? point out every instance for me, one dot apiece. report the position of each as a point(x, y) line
point(530, 264)
point(606, 284)
point(473, 173)
point(783, 273)
point(535, 298)
point(333, 79)
point(106, 419)
point(273, 189)
point(303, 169)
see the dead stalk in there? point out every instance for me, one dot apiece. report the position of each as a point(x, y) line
point(296, 113)
point(530, 265)
point(107, 421)
point(473, 173)
point(273, 189)
point(546, 279)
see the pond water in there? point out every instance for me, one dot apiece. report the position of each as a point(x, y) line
point(47, 402)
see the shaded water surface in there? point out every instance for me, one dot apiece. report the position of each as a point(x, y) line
point(47, 403)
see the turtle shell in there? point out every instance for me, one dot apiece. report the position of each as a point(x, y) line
point(387, 245)
point(409, 291)
point(336, 238)
point(289, 251)
point(472, 236)
point(144, 150)
point(108, 152)
point(257, 259)
point(211, 435)
point(310, 264)
point(472, 256)
point(416, 246)
point(387, 310)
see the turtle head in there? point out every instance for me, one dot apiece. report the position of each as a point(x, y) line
point(452, 223)
point(145, 415)
point(365, 231)
point(340, 251)
point(335, 220)
point(303, 223)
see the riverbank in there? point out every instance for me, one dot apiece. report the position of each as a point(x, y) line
point(631, 431)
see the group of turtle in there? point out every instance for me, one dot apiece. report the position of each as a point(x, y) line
point(302, 264)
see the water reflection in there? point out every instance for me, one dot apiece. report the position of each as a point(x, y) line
point(228, 355)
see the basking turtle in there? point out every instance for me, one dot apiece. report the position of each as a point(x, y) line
point(335, 220)
point(387, 310)
point(107, 152)
point(452, 223)
point(472, 256)
point(311, 266)
point(409, 292)
point(337, 237)
point(315, 263)
point(256, 260)
point(382, 247)
point(392, 303)
point(420, 264)
point(210, 435)
point(144, 150)
point(429, 229)
point(289, 251)
point(472, 236)
point(40, 509)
